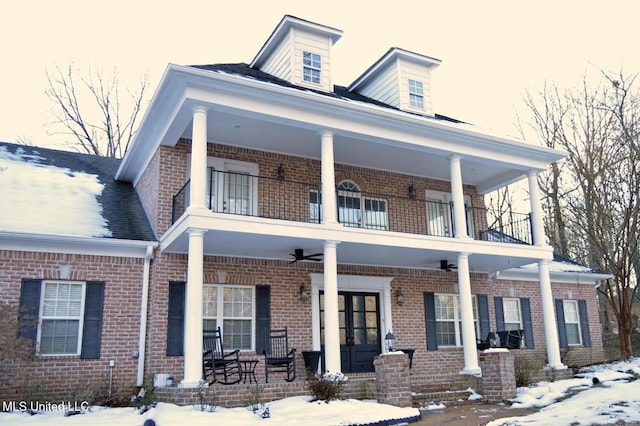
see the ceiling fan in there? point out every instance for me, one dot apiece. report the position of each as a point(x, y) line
point(446, 266)
point(298, 254)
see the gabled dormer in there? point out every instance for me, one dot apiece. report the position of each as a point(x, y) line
point(400, 78)
point(299, 52)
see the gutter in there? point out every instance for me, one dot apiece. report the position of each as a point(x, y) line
point(143, 314)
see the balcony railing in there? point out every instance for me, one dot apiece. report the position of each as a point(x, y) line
point(248, 195)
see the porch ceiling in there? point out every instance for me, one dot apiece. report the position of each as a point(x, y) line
point(271, 247)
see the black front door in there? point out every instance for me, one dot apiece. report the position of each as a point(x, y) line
point(359, 320)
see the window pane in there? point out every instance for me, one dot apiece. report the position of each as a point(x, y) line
point(375, 213)
point(444, 307)
point(512, 311)
point(446, 333)
point(59, 337)
point(237, 334)
point(210, 301)
point(573, 334)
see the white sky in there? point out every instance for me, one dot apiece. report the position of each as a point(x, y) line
point(491, 51)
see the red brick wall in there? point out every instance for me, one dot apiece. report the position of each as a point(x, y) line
point(64, 375)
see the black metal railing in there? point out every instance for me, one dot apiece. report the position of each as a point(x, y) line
point(248, 195)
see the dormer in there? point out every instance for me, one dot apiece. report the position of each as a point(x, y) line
point(400, 78)
point(299, 52)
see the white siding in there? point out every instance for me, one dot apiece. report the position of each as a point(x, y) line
point(411, 71)
point(279, 63)
point(307, 41)
point(384, 88)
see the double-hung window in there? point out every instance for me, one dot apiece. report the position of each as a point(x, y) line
point(231, 308)
point(449, 320)
point(512, 314)
point(572, 322)
point(61, 313)
point(416, 94)
point(312, 65)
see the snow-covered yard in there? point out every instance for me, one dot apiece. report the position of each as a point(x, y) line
point(602, 394)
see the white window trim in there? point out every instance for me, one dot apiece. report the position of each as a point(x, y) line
point(458, 318)
point(517, 301)
point(220, 309)
point(80, 317)
point(311, 67)
point(577, 322)
point(416, 94)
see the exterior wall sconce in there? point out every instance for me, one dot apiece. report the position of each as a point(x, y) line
point(304, 293)
point(390, 342)
point(412, 192)
point(280, 172)
point(399, 297)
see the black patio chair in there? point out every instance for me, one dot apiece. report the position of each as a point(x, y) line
point(490, 342)
point(223, 367)
point(511, 339)
point(278, 357)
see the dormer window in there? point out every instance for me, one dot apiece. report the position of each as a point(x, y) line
point(311, 67)
point(416, 94)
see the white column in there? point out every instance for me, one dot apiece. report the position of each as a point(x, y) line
point(331, 319)
point(198, 181)
point(549, 318)
point(457, 196)
point(466, 316)
point(193, 310)
point(537, 226)
point(329, 208)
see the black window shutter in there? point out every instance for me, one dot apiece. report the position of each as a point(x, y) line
point(430, 319)
point(485, 325)
point(584, 323)
point(525, 305)
point(497, 303)
point(92, 328)
point(29, 309)
point(175, 321)
point(562, 330)
point(263, 317)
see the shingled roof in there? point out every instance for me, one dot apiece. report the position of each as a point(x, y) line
point(120, 206)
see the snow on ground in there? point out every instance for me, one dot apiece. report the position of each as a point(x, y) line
point(602, 394)
point(44, 199)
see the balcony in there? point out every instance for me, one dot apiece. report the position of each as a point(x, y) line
point(273, 198)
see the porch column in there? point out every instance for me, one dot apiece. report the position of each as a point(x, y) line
point(549, 318)
point(537, 226)
point(329, 209)
point(457, 196)
point(466, 316)
point(331, 319)
point(193, 311)
point(198, 181)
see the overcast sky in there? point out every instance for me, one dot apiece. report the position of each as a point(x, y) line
point(491, 51)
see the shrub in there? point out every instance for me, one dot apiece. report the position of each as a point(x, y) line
point(325, 387)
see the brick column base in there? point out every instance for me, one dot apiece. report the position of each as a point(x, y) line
point(393, 384)
point(498, 375)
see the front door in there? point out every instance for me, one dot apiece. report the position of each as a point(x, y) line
point(359, 320)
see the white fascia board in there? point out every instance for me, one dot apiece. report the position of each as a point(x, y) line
point(15, 241)
point(159, 117)
point(570, 277)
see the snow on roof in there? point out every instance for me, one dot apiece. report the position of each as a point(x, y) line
point(44, 199)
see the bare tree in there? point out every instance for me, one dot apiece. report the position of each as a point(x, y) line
point(592, 198)
point(90, 110)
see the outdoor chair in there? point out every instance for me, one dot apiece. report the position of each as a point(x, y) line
point(223, 368)
point(511, 339)
point(490, 342)
point(278, 357)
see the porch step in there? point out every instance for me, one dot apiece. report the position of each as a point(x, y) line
point(425, 399)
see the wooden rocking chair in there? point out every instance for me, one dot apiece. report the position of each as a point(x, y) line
point(223, 368)
point(278, 357)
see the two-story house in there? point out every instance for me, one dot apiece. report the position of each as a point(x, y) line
point(277, 198)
